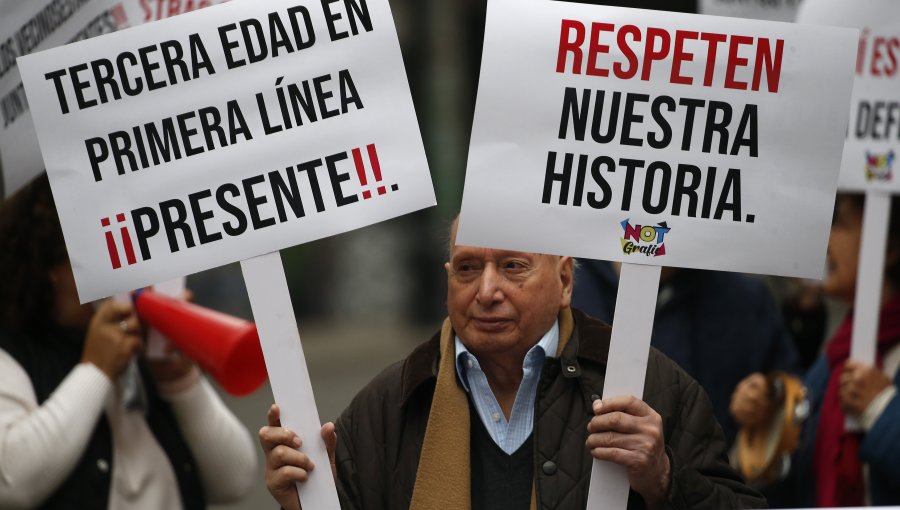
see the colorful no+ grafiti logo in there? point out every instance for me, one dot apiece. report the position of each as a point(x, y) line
point(644, 239)
point(879, 167)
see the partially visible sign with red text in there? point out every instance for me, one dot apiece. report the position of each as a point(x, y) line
point(657, 138)
point(872, 149)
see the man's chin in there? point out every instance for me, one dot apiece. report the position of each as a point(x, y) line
point(487, 341)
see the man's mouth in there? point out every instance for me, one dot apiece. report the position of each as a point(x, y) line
point(491, 323)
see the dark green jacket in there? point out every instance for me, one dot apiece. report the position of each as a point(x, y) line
point(380, 434)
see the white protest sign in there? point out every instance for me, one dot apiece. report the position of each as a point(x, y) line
point(874, 130)
point(655, 139)
point(226, 134)
point(873, 141)
point(27, 26)
point(694, 161)
point(175, 147)
point(772, 10)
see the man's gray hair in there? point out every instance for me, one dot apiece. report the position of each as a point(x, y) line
point(449, 242)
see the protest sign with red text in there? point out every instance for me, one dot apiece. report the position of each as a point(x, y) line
point(661, 139)
point(222, 134)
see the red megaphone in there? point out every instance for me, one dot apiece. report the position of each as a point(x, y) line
point(224, 346)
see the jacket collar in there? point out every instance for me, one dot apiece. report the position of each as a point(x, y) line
point(589, 342)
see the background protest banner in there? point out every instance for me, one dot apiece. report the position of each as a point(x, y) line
point(29, 26)
point(223, 134)
point(873, 141)
point(145, 11)
point(655, 139)
point(871, 147)
point(210, 138)
point(26, 27)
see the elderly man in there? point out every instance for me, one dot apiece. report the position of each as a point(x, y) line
point(500, 409)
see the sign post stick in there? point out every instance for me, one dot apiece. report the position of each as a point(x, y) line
point(630, 347)
point(870, 273)
point(869, 276)
point(279, 337)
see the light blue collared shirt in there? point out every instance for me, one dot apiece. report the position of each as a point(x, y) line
point(510, 435)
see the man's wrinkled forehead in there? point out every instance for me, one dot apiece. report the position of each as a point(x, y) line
point(453, 250)
point(473, 252)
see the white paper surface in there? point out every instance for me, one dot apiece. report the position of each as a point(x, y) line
point(772, 10)
point(20, 155)
point(233, 185)
point(786, 191)
point(279, 337)
point(626, 370)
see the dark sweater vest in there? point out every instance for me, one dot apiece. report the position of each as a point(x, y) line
point(48, 360)
point(500, 481)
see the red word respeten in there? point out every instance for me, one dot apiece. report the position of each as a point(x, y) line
point(639, 48)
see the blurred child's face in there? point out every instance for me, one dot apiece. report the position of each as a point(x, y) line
point(843, 250)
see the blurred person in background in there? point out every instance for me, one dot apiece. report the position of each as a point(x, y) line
point(719, 327)
point(809, 315)
point(832, 466)
point(73, 434)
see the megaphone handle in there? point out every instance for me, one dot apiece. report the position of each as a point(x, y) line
point(279, 338)
point(157, 343)
point(133, 395)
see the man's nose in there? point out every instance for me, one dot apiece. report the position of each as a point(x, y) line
point(489, 286)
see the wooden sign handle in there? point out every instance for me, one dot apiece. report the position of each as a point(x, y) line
point(869, 281)
point(626, 369)
point(288, 374)
point(870, 275)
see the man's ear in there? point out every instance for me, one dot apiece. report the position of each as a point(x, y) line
point(567, 278)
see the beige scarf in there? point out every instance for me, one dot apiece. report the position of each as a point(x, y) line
point(443, 479)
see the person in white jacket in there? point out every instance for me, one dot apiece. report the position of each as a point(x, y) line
point(81, 424)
